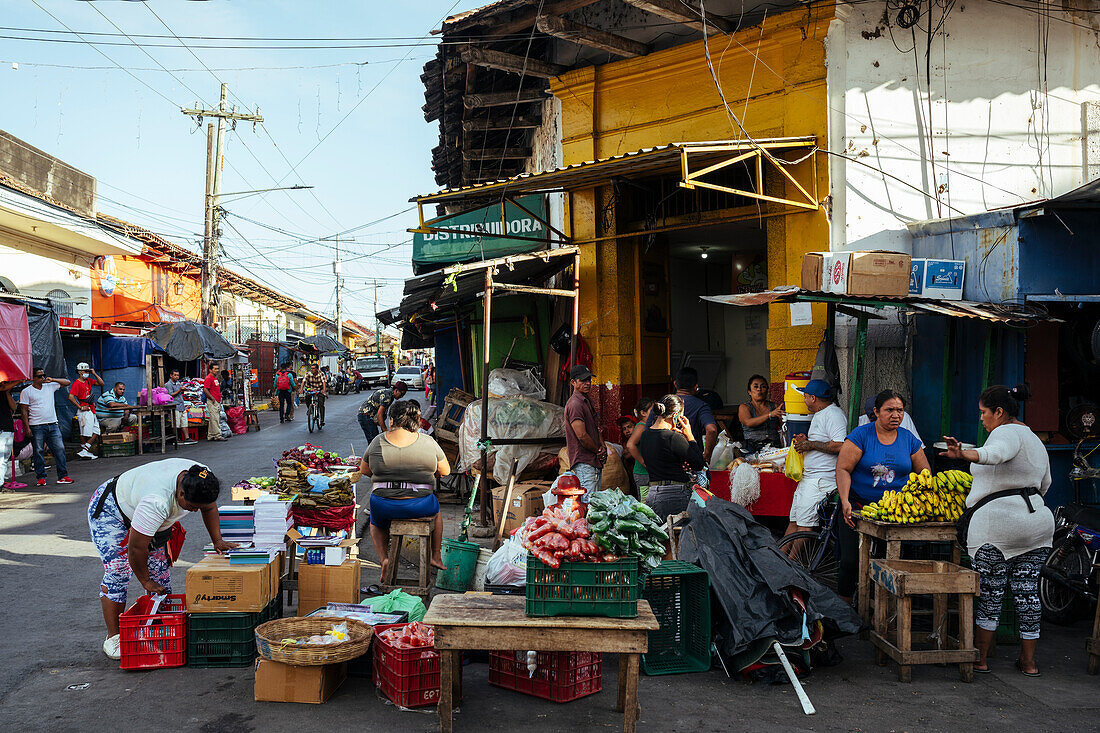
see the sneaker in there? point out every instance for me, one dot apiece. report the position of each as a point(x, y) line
point(65, 480)
point(87, 455)
point(40, 482)
point(112, 647)
point(189, 442)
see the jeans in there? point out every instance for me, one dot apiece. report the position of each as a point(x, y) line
point(667, 499)
point(370, 427)
point(49, 435)
point(589, 477)
point(284, 404)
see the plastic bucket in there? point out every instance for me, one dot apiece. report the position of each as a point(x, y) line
point(793, 402)
point(797, 424)
point(482, 568)
point(461, 561)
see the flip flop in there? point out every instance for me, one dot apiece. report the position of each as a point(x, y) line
point(1026, 673)
point(987, 670)
point(374, 589)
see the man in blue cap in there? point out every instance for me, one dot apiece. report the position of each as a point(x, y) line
point(819, 448)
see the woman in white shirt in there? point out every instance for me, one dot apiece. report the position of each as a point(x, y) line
point(131, 518)
point(1011, 530)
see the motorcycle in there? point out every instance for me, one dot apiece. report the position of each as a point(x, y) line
point(1068, 580)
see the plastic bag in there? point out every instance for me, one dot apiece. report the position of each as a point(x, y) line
point(792, 468)
point(723, 454)
point(508, 565)
point(512, 417)
point(397, 601)
point(235, 418)
point(515, 383)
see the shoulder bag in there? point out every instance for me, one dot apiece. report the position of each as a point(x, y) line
point(962, 527)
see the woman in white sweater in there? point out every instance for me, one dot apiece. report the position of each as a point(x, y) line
point(1011, 530)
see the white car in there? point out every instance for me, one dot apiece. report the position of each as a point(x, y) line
point(413, 376)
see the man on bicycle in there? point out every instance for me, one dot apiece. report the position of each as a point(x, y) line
point(315, 386)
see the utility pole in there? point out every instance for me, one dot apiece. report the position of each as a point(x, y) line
point(215, 147)
point(377, 332)
point(339, 318)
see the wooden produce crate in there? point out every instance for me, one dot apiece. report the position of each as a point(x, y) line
point(454, 409)
point(117, 438)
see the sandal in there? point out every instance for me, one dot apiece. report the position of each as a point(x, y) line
point(1025, 673)
point(987, 670)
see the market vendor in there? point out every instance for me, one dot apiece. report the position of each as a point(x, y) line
point(131, 518)
point(906, 419)
point(875, 458)
point(585, 449)
point(759, 417)
point(403, 464)
point(113, 411)
point(179, 415)
point(372, 413)
point(670, 450)
point(1011, 530)
point(819, 447)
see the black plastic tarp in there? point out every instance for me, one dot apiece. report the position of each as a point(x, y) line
point(324, 344)
point(752, 579)
point(45, 329)
point(188, 340)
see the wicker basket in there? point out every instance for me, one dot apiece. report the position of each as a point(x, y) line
point(270, 635)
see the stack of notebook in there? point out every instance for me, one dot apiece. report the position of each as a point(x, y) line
point(252, 556)
point(272, 517)
point(237, 523)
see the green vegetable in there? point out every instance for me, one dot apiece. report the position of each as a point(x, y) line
point(659, 533)
point(646, 510)
point(601, 526)
point(629, 525)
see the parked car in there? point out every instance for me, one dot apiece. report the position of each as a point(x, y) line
point(411, 375)
point(374, 371)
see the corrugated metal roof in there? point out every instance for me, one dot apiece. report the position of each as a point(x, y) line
point(994, 312)
point(639, 163)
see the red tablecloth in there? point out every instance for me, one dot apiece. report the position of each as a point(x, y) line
point(776, 493)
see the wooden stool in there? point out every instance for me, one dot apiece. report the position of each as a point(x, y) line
point(899, 581)
point(1093, 644)
point(421, 529)
point(251, 420)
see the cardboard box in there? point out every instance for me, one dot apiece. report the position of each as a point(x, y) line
point(868, 273)
point(215, 586)
point(526, 502)
point(322, 584)
point(943, 279)
point(277, 682)
point(813, 269)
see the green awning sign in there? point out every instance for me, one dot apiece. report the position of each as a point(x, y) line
point(482, 235)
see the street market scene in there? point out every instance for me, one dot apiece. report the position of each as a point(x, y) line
point(464, 365)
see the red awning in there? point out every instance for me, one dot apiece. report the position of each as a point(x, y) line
point(15, 342)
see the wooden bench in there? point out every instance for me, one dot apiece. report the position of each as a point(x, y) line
point(499, 623)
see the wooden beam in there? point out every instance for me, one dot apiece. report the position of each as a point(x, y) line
point(676, 11)
point(486, 124)
point(512, 63)
point(497, 154)
point(499, 99)
point(525, 19)
point(584, 35)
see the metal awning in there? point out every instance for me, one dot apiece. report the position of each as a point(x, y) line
point(458, 285)
point(692, 161)
point(994, 312)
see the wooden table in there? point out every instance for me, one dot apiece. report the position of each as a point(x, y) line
point(894, 535)
point(498, 623)
point(166, 424)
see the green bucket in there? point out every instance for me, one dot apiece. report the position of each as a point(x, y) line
point(461, 561)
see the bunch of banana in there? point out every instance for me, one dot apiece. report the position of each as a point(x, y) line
point(924, 498)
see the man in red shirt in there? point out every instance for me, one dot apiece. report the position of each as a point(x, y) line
point(80, 394)
point(213, 403)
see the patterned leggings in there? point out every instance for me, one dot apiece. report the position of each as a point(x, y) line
point(1021, 576)
point(109, 536)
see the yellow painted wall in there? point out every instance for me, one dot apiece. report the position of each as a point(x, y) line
point(670, 96)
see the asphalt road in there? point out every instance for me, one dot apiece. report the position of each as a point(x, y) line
point(55, 675)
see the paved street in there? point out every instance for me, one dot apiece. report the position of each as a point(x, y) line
point(54, 631)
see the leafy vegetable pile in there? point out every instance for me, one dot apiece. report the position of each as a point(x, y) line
point(622, 525)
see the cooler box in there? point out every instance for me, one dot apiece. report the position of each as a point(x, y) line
point(792, 398)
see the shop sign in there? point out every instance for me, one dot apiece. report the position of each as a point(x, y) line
point(481, 234)
point(108, 274)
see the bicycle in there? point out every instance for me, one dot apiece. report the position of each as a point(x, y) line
point(816, 551)
point(313, 412)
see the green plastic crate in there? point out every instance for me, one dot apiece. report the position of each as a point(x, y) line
point(226, 639)
point(679, 594)
point(118, 450)
point(583, 588)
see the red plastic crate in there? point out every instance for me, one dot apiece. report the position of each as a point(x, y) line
point(408, 677)
point(559, 676)
point(154, 641)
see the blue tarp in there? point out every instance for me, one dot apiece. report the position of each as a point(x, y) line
point(126, 351)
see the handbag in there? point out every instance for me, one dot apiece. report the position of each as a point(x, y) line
point(962, 527)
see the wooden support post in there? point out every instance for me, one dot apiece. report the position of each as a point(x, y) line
point(859, 355)
point(988, 372)
point(486, 520)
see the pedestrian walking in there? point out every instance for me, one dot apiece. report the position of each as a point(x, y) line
point(40, 417)
point(372, 413)
point(284, 390)
point(213, 392)
point(586, 451)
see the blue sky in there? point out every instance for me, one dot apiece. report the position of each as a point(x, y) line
point(71, 101)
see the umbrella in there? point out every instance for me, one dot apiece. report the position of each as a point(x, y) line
point(323, 343)
point(188, 340)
